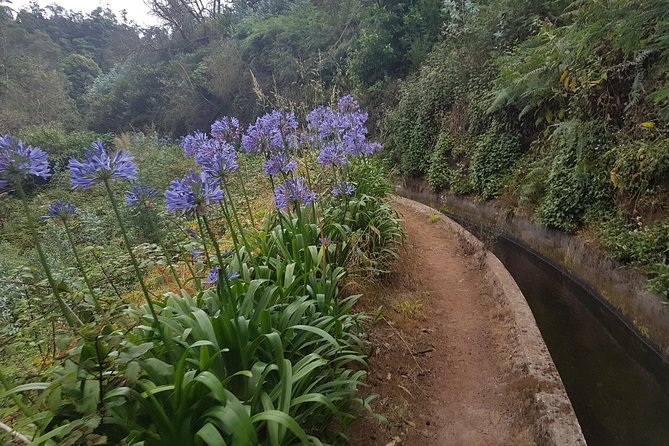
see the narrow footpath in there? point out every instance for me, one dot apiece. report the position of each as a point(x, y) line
point(442, 364)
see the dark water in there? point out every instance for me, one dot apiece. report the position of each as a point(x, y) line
point(617, 383)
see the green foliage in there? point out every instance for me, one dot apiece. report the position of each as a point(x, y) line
point(392, 38)
point(272, 355)
point(34, 93)
point(645, 246)
point(371, 61)
point(439, 173)
point(599, 61)
point(493, 161)
point(128, 96)
point(281, 44)
point(81, 71)
point(371, 177)
point(577, 182)
point(641, 167)
point(413, 126)
point(60, 144)
point(530, 179)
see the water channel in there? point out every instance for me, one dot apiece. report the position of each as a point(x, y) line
point(617, 383)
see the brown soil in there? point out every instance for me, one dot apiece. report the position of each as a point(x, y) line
point(442, 365)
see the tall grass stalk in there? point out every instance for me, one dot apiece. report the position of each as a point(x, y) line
point(169, 262)
point(69, 315)
point(239, 224)
point(133, 259)
point(242, 180)
point(80, 265)
point(219, 256)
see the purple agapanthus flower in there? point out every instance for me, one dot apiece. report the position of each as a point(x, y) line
point(343, 188)
point(273, 132)
point(226, 129)
point(327, 240)
point(192, 194)
point(217, 159)
point(295, 191)
point(98, 166)
point(192, 143)
point(20, 159)
point(371, 148)
point(348, 104)
point(191, 232)
point(141, 193)
point(279, 162)
point(215, 273)
point(61, 209)
point(196, 254)
point(339, 133)
point(323, 122)
point(332, 154)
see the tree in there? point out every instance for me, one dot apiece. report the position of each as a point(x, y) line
point(81, 71)
point(186, 17)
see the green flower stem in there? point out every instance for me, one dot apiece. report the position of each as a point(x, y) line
point(242, 180)
point(198, 285)
point(234, 212)
point(235, 241)
point(80, 264)
point(345, 210)
point(133, 259)
point(217, 249)
point(204, 244)
point(71, 318)
point(336, 177)
point(307, 172)
point(169, 263)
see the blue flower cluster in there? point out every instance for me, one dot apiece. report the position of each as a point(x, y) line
point(279, 162)
point(192, 194)
point(60, 209)
point(140, 194)
point(98, 166)
point(293, 191)
point(192, 143)
point(215, 273)
point(273, 132)
point(18, 159)
point(343, 188)
point(216, 158)
point(227, 129)
point(339, 133)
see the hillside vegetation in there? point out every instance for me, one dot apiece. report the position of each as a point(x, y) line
point(558, 109)
point(218, 299)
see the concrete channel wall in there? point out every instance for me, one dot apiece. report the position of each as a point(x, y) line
point(555, 423)
point(622, 288)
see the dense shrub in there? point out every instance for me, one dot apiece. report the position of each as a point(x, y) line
point(578, 182)
point(412, 128)
point(439, 172)
point(60, 144)
point(641, 169)
point(644, 245)
point(493, 161)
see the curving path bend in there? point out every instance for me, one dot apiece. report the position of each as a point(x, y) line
point(454, 364)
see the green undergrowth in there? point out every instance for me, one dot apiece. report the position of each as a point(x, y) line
point(273, 355)
point(558, 110)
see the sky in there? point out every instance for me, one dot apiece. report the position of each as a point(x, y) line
point(136, 9)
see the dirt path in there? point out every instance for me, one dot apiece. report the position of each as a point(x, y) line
point(442, 364)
